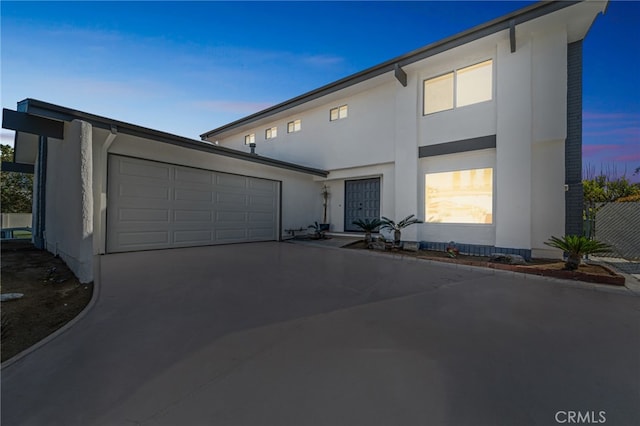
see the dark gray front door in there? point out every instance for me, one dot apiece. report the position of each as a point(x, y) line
point(361, 201)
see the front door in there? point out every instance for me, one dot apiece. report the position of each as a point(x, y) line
point(361, 201)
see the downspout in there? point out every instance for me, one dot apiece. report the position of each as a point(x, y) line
point(40, 190)
point(100, 194)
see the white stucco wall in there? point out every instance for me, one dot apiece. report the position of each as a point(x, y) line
point(69, 199)
point(513, 145)
point(386, 125)
point(365, 137)
point(336, 184)
point(547, 192)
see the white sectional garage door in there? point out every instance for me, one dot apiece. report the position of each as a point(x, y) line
point(154, 205)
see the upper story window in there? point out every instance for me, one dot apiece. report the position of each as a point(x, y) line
point(465, 86)
point(250, 139)
point(294, 126)
point(338, 113)
point(271, 133)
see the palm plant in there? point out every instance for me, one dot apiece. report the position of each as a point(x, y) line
point(576, 246)
point(368, 226)
point(398, 227)
point(318, 230)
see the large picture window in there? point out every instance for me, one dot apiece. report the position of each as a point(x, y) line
point(461, 196)
point(467, 86)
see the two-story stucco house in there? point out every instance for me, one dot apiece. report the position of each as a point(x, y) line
point(479, 135)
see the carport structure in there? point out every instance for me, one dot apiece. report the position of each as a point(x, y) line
point(105, 186)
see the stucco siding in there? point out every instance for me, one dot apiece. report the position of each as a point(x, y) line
point(547, 194)
point(69, 231)
point(513, 146)
point(365, 137)
point(549, 85)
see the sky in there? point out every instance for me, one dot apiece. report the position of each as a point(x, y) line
point(189, 67)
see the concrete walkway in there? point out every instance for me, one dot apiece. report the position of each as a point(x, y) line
point(287, 334)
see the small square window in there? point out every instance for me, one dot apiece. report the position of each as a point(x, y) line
point(294, 126)
point(338, 113)
point(250, 139)
point(271, 133)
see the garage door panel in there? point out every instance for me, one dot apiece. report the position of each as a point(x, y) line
point(192, 216)
point(132, 167)
point(156, 205)
point(260, 201)
point(223, 198)
point(144, 239)
point(231, 216)
point(193, 176)
point(261, 217)
point(232, 234)
point(143, 215)
point(262, 185)
point(230, 181)
point(199, 236)
point(193, 195)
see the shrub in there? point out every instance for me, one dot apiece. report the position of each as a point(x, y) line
point(577, 246)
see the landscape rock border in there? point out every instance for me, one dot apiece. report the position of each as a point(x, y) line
point(613, 279)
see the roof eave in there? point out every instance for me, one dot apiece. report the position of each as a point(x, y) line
point(57, 112)
point(502, 23)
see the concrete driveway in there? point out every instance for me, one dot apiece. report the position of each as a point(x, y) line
point(283, 334)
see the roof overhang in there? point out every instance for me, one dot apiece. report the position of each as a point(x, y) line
point(507, 22)
point(36, 118)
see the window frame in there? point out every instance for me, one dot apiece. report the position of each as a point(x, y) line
point(294, 126)
point(492, 184)
point(338, 110)
point(250, 138)
point(271, 133)
point(454, 93)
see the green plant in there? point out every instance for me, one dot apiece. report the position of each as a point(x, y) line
point(452, 250)
point(318, 231)
point(577, 246)
point(325, 201)
point(368, 226)
point(398, 227)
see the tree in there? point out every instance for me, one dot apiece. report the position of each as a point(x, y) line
point(602, 189)
point(17, 188)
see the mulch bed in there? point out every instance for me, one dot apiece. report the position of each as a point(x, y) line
point(543, 267)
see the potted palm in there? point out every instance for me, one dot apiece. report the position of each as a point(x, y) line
point(575, 247)
point(325, 202)
point(397, 228)
point(368, 226)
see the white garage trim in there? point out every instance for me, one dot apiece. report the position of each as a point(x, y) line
point(155, 205)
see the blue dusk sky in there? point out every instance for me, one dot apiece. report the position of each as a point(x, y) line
point(188, 67)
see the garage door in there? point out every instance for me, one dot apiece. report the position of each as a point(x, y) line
point(152, 205)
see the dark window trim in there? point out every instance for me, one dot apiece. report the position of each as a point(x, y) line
point(454, 147)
